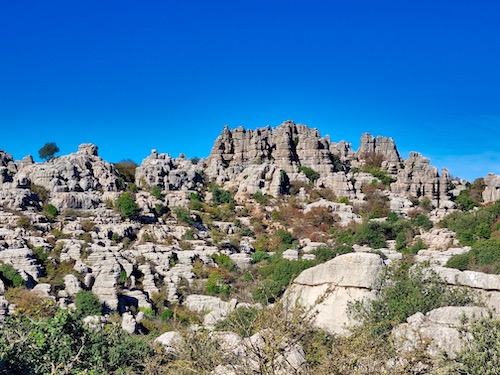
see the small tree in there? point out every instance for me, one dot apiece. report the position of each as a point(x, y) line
point(127, 206)
point(47, 152)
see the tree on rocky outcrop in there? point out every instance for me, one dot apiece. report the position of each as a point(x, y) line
point(48, 151)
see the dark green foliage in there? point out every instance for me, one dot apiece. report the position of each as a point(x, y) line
point(404, 292)
point(324, 253)
point(51, 211)
point(10, 276)
point(259, 256)
point(166, 315)
point(276, 275)
point(372, 234)
point(472, 196)
point(380, 174)
point(220, 196)
point(87, 304)
point(126, 205)
point(473, 226)
point(126, 169)
point(195, 202)
point(156, 192)
point(48, 151)
point(310, 173)
point(225, 262)
point(61, 344)
point(422, 221)
point(484, 256)
point(184, 215)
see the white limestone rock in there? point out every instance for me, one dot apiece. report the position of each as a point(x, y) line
point(326, 289)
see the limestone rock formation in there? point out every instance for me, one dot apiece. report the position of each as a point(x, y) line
point(169, 173)
point(419, 179)
point(491, 191)
point(437, 331)
point(326, 289)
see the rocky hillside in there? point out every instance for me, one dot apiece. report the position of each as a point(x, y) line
point(282, 252)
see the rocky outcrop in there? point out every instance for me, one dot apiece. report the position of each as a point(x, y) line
point(267, 159)
point(289, 146)
point(73, 181)
point(324, 291)
point(169, 173)
point(419, 179)
point(381, 147)
point(491, 191)
point(437, 331)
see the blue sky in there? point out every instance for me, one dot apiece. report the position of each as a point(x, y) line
point(131, 76)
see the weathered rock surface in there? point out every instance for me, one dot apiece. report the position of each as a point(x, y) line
point(169, 173)
point(491, 191)
point(326, 289)
point(437, 331)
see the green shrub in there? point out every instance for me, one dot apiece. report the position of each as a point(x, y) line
point(184, 215)
point(310, 173)
point(220, 196)
point(167, 314)
point(481, 352)
point(259, 256)
point(126, 169)
point(41, 192)
point(156, 192)
point(372, 234)
point(87, 304)
point(324, 253)
point(225, 262)
point(10, 275)
point(126, 205)
point(484, 257)
point(473, 226)
point(276, 275)
point(401, 296)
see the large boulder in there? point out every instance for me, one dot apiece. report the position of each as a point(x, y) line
point(326, 290)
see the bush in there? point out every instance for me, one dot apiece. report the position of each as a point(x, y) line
point(484, 257)
point(156, 192)
point(41, 192)
point(126, 205)
point(310, 173)
point(324, 253)
point(126, 168)
point(220, 196)
point(401, 296)
point(11, 276)
point(87, 304)
point(261, 198)
point(184, 215)
point(481, 352)
point(473, 226)
point(51, 211)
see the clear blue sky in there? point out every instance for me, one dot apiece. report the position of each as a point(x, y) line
point(132, 76)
